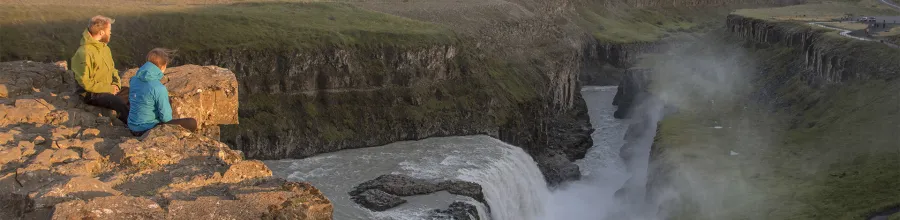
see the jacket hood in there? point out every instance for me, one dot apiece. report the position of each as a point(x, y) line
point(86, 38)
point(149, 72)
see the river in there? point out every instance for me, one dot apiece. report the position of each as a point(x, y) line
point(513, 186)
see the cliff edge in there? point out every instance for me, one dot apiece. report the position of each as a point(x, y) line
point(62, 159)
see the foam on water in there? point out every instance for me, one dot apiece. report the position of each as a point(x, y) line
point(513, 186)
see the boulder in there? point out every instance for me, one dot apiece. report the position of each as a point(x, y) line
point(377, 200)
point(306, 202)
point(206, 93)
point(110, 207)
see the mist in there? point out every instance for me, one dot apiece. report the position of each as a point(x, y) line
point(708, 76)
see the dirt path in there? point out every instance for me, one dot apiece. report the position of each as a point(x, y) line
point(846, 33)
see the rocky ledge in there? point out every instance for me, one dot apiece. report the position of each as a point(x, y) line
point(385, 192)
point(62, 159)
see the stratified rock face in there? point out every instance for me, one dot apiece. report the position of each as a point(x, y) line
point(62, 159)
point(824, 61)
point(206, 93)
point(384, 192)
point(296, 103)
point(633, 88)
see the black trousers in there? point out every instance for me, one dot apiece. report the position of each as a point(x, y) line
point(187, 123)
point(119, 102)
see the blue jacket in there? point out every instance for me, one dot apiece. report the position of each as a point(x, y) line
point(149, 99)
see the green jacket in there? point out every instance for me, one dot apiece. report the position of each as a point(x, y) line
point(93, 65)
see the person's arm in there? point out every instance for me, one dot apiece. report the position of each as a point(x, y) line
point(163, 107)
point(83, 65)
point(116, 79)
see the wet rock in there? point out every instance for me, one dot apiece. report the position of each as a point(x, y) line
point(206, 93)
point(456, 211)
point(403, 185)
point(377, 200)
point(557, 168)
point(463, 188)
point(397, 184)
point(110, 207)
point(83, 188)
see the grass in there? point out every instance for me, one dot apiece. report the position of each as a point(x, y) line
point(823, 153)
point(628, 25)
point(820, 10)
point(52, 32)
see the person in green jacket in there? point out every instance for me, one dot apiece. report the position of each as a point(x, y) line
point(95, 71)
point(149, 98)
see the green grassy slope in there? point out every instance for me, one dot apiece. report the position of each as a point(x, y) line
point(52, 32)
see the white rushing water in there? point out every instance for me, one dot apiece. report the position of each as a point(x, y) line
point(604, 172)
point(513, 186)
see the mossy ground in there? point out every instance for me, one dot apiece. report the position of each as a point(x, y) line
point(628, 25)
point(52, 32)
point(821, 10)
point(809, 152)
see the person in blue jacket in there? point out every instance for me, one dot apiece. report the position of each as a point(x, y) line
point(149, 98)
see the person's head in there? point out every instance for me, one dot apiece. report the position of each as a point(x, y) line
point(160, 57)
point(101, 28)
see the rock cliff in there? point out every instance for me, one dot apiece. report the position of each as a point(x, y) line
point(62, 159)
point(298, 103)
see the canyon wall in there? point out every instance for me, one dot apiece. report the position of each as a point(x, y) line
point(813, 93)
point(298, 103)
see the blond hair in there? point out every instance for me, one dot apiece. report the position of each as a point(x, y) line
point(160, 56)
point(99, 23)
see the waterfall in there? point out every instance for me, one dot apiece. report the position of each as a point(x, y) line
point(513, 186)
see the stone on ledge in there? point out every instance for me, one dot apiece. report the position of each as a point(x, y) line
point(206, 93)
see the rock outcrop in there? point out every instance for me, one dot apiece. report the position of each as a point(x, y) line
point(384, 192)
point(206, 93)
point(62, 159)
point(633, 88)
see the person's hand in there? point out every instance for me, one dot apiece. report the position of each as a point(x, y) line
point(115, 89)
